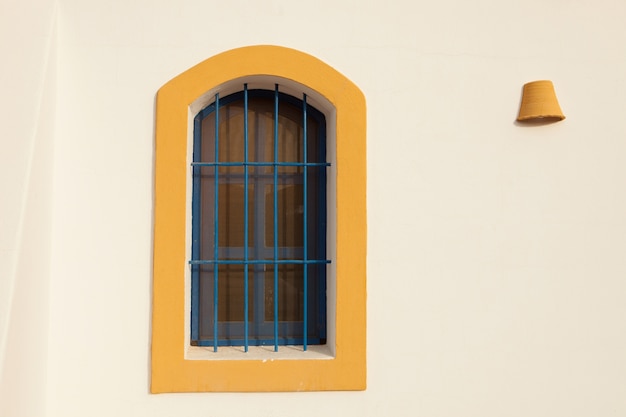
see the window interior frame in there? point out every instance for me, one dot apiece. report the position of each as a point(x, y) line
point(317, 290)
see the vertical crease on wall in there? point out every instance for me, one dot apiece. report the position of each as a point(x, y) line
point(32, 245)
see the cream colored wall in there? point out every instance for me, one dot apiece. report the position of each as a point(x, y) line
point(27, 120)
point(495, 262)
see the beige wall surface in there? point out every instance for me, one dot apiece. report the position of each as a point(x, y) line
point(27, 116)
point(495, 249)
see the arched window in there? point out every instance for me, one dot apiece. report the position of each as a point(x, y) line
point(260, 176)
point(259, 222)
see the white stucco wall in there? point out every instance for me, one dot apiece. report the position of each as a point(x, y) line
point(495, 261)
point(27, 115)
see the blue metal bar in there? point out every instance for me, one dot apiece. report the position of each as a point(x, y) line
point(276, 219)
point(283, 341)
point(245, 217)
point(195, 243)
point(260, 164)
point(259, 261)
point(216, 222)
point(305, 224)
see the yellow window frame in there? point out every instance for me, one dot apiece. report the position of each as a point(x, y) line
point(171, 371)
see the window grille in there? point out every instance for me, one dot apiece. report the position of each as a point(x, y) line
point(258, 267)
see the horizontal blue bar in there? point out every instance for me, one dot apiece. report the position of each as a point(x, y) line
point(260, 164)
point(259, 262)
point(262, 342)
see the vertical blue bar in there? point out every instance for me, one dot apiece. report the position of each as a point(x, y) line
point(245, 217)
point(195, 216)
point(305, 282)
point(216, 222)
point(276, 219)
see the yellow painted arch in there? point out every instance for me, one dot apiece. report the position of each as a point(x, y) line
point(171, 372)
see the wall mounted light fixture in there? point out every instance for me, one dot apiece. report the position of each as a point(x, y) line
point(539, 102)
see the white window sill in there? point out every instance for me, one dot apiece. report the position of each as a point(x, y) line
point(264, 353)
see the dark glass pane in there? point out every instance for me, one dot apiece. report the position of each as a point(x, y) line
point(315, 152)
point(231, 293)
point(260, 133)
point(261, 119)
point(290, 137)
point(290, 215)
point(207, 212)
point(205, 288)
point(231, 137)
point(232, 215)
point(231, 301)
point(290, 293)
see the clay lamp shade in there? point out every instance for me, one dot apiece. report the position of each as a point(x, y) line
point(539, 102)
